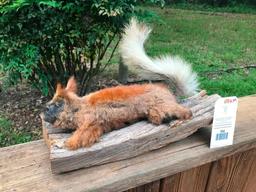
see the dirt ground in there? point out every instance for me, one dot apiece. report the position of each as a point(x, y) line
point(22, 106)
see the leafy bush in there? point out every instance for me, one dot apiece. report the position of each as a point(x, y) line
point(45, 41)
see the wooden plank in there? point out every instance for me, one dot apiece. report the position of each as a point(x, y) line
point(130, 141)
point(193, 180)
point(149, 187)
point(27, 168)
point(153, 186)
point(171, 183)
point(231, 174)
point(250, 185)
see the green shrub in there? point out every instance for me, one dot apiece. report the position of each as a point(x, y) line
point(46, 41)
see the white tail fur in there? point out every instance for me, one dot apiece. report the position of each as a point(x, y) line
point(173, 68)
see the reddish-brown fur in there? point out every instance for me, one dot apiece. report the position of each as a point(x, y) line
point(113, 108)
point(118, 93)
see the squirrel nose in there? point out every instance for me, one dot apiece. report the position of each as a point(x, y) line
point(48, 108)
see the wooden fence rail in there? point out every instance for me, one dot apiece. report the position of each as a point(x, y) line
point(236, 173)
point(187, 166)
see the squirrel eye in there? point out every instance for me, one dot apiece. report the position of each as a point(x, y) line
point(75, 110)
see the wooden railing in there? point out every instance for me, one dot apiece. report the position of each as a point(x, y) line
point(187, 165)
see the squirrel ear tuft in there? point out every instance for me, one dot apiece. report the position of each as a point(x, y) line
point(71, 85)
point(59, 89)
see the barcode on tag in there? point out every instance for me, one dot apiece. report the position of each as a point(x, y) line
point(224, 122)
point(222, 135)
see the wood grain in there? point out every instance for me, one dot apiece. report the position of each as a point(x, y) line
point(236, 173)
point(193, 180)
point(149, 187)
point(26, 167)
point(231, 174)
point(250, 184)
point(130, 141)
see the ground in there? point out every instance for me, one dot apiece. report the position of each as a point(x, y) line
point(211, 41)
point(19, 114)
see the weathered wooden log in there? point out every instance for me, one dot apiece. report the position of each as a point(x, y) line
point(130, 141)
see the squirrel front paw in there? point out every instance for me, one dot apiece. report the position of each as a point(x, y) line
point(83, 138)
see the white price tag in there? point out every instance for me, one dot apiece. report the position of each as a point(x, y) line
point(224, 120)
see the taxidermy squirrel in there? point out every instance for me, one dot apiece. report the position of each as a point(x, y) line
point(112, 108)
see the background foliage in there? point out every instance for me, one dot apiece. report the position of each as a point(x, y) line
point(45, 41)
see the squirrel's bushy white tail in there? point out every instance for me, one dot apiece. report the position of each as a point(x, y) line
point(173, 68)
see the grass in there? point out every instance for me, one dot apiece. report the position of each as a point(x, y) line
point(228, 9)
point(210, 42)
point(8, 136)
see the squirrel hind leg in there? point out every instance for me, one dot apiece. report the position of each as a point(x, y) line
point(166, 112)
